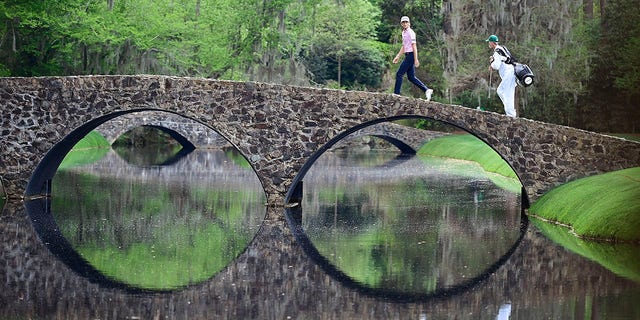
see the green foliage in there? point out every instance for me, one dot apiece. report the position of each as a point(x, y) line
point(605, 206)
point(4, 71)
point(426, 19)
point(342, 47)
point(629, 68)
point(621, 44)
point(137, 36)
point(586, 68)
point(360, 65)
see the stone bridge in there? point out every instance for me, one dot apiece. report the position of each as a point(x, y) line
point(194, 134)
point(281, 130)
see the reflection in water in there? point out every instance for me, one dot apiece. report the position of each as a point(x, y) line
point(621, 258)
point(504, 312)
point(159, 227)
point(274, 278)
point(153, 155)
point(3, 196)
point(418, 226)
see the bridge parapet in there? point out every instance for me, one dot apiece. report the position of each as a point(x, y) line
point(278, 128)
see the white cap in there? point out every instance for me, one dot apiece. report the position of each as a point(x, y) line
point(404, 18)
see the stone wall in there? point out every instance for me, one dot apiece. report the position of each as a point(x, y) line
point(278, 128)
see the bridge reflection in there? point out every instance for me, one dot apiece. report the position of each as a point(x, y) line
point(150, 229)
point(274, 278)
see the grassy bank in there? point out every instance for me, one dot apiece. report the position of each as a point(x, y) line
point(468, 147)
point(603, 207)
point(93, 140)
point(628, 136)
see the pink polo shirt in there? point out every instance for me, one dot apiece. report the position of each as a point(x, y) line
point(408, 38)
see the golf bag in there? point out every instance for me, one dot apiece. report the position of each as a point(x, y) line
point(524, 75)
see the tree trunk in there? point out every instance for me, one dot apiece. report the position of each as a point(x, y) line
point(587, 6)
point(339, 71)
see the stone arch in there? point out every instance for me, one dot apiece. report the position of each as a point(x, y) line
point(182, 140)
point(294, 194)
point(406, 139)
point(40, 182)
point(186, 131)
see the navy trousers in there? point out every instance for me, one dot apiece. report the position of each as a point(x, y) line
point(407, 66)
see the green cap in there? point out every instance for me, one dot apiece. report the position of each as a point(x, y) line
point(492, 38)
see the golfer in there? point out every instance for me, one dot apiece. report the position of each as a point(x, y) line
point(410, 51)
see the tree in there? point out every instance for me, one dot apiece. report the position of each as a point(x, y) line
point(614, 85)
point(343, 27)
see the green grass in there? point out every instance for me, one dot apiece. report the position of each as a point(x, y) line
point(183, 256)
point(468, 147)
point(93, 141)
point(603, 207)
point(628, 136)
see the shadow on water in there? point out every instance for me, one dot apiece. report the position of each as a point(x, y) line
point(152, 146)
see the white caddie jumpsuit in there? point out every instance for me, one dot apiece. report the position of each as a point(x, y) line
point(507, 88)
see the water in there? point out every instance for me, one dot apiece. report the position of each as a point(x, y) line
point(158, 227)
point(396, 233)
point(375, 237)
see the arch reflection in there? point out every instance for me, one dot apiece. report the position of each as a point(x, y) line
point(152, 146)
point(148, 229)
point(410, 229)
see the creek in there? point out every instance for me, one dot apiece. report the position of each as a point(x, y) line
point(375, 235)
